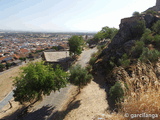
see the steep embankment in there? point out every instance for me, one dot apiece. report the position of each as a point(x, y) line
point(131, 61)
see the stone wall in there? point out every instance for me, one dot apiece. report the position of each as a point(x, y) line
point(158, 3)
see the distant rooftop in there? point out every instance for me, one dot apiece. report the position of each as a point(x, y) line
point(55, 56)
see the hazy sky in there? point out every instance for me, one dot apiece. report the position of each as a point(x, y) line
point(67, 15)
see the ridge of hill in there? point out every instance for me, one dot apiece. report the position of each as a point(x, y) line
point(130, 65)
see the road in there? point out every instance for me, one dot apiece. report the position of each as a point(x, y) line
point(42, 110)
point(9, 96)
point(54, 100)
point(6, 99)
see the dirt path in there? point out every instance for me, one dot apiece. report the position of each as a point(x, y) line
point(45, 109)
point(6, 81)
point(90, 103)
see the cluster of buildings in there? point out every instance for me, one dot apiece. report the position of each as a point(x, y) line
point(15, 47)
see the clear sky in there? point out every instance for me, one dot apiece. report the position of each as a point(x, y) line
point(67, 15)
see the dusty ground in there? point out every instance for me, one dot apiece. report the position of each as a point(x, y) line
point(6, 86)
point(87, 105)
point(9, 111)
point(92, 103)
point(6, 81)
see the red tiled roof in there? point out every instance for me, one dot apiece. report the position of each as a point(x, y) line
point(23, 50)
point(2, 58)
point(16, 56)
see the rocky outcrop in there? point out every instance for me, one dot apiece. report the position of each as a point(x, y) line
point(140, 73)
point(122, 43)
point(128, 33)
point(156, 7)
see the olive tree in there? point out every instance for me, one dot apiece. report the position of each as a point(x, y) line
point(76, 45)
point(79, 76)
point(36, 80)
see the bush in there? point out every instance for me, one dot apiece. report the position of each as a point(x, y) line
point(37, 80)
point(152, 12)
point(137, 49)
point(157, 40)
point(101, 47)
point(124, 61)
point(88, 68)
point(92, 60)
point(116, 92)
point(151, 55)
point(147, 38)
point(1, 67)
point(156, 27)
point(109, 33)
point(109, 65)
point(22, 58)
point(79, 76)
point(137, 28)
point(136, 14)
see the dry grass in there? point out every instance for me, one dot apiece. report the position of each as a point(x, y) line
point(141, 99)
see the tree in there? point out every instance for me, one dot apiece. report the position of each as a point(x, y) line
point(8, 65)
point(147, 36)
point(109, 33)
point(79, 76)
point(117, 92)
point(156, 27)
point(124, 61)
point(99, 36)
point(76, 45)
point(22, 58)
point(152, 12)
point(1, 67)
point(137, 49)
point(151, 55)
point(138, 28)
point(136, 14)
point(105, 33)
point(36, 80)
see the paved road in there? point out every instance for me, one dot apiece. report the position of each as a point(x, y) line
point(83, 60)
point(6, 99)
point(55, 99)
point(10, 95)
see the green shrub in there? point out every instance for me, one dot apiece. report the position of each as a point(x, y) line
point(152, 12)
point(157, 40)
point(138, 29)
point(79, 76)
point(116, 92)
point(92, 60)
point(88, 68)
point(136, 14)
point(124, 61)
point(137, 49)
point(101, 47)
point(151, 55)
point(1, 67)
point(109, 65)
point(156, 27)
point(147, 37)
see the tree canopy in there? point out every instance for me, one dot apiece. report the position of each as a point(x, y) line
point(76, 45)
point(79, 76)
point(136, 13)
point(105, 33)
point(36, 80)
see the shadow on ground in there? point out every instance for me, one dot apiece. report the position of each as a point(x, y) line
point(60, 115)
point(39, 114)
point(100, 80)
